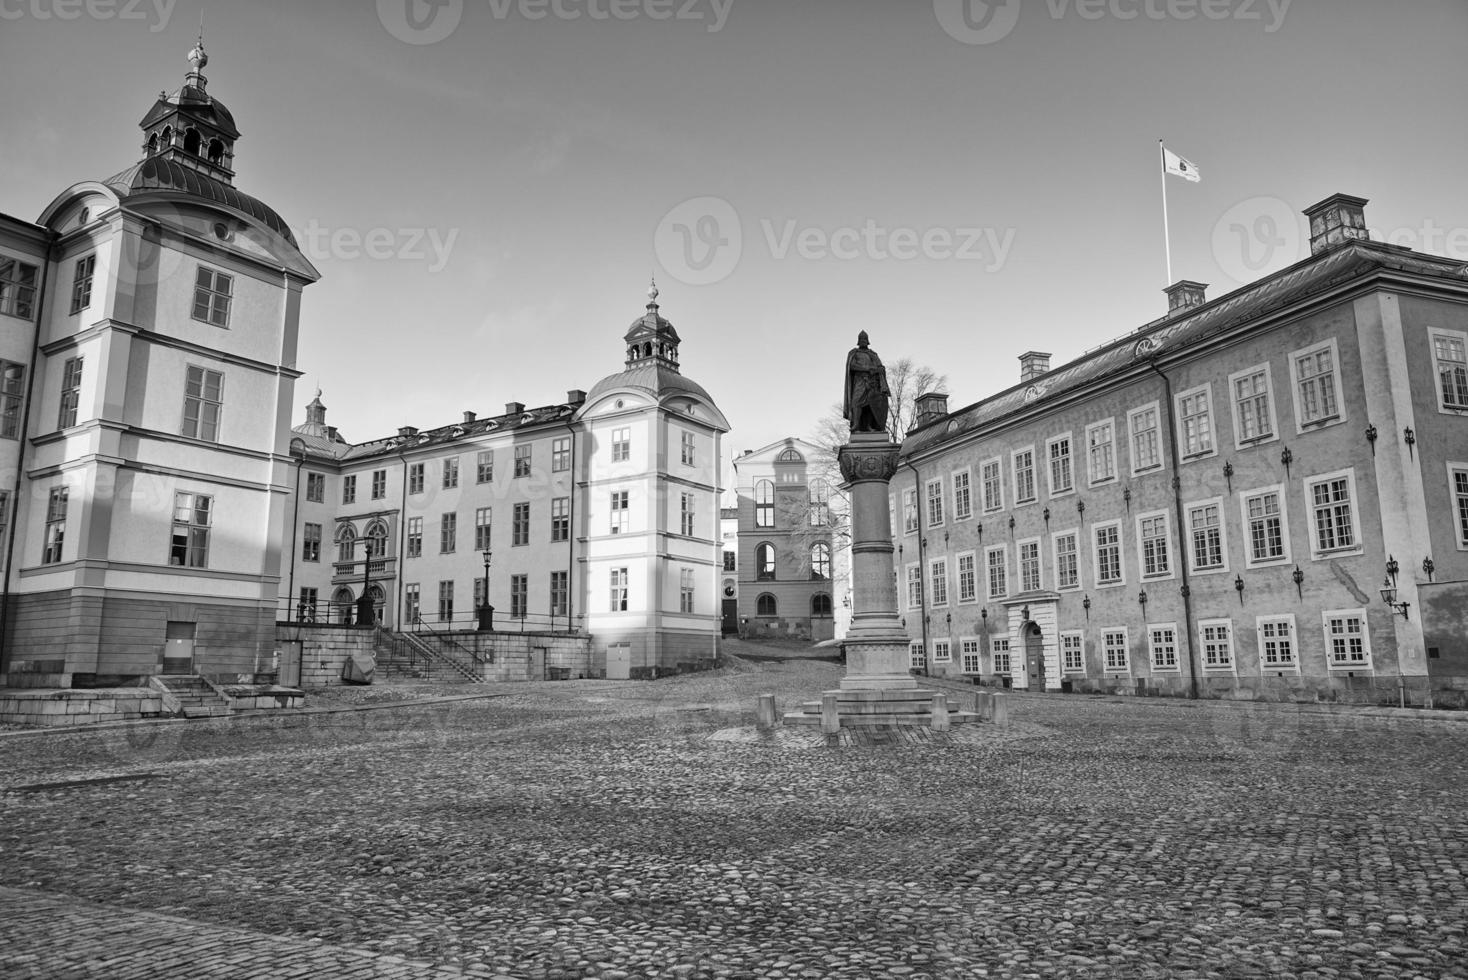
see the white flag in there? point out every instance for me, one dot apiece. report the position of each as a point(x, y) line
point(1174, 164)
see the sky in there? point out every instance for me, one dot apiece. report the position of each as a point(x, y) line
point(487, 186)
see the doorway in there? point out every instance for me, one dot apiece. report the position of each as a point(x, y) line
point(730, 624)
point(178, 648)
point(288, 674)
point(619, 661)
point(1035, 656)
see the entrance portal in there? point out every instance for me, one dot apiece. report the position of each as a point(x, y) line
point(1035, 656)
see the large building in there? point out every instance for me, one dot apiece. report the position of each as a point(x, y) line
point(1261, 495)
point(148, 359)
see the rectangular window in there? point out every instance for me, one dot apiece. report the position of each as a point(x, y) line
point(1205, 531)
point(560, 593)
point(483, 526)
point(1449, 361)
point(561, 519)
point(315, 487)
point(1265, 522)
point(520, 525)
point(522, 461)
point(1114, 651)
point(415, 478)
point(993, 486)
point(560, 454)
point(731, 561)
point(997, 564)
point(942, 651)
point(71, 392)
point(1162, 644)
point(415, 537)
point(687, 448)
point(1330, 510)
point(1067, 560)
point(685, 514)
point(17, 288)
point(934, 490)
point(685, 590)
point(914, 587)
point(211, 297)
point(969, 650)
point(1146, 446)
point(1277, 643)
point(1152, 535)
point(619, 590)
point(621, 445)
point(412, 604)
point(621, 513)
point(4, 514)
point(1317, 385)
point(189, 542)
point(1029, 566)
point(1195, 422)
point(451, 473)
point(1108, 554)
point(519, 596)
point(311, 542)
point(938, 576)
point(1101, 451)
point(448, 533)
point(12, 391)
point(81, 284)
point(481, 589)
point(1061, 479)
point(1460, 501)
point(306, 607)
point(1072, 652)
point(445, 602)
point(909, 511)
point(1253, 416)
point(820, 503)
point(203, 399)
point(1024, 476)
point(55, 525)
point(484, 466)
point(1217, 639)
point(917, 657)
point(1001, 656)
point(963, 501)
point(1347, 644)
point(379, 484)
point(968, 590)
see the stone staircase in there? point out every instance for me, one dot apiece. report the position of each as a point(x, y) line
point(190, 696)
point(914, 707)
point(405, 655)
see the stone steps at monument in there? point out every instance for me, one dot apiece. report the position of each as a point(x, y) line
point(880, 720)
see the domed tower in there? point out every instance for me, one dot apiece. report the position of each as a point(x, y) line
point(191, 127)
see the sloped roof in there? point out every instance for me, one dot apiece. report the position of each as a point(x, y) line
point(324, 446)
point(158, 173)
point(658, 380)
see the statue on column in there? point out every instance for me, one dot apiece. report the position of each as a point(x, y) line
point(865, 401)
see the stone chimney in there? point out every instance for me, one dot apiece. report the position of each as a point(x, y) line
point(404, 431)
point(514, 408)
point(469, 417)
point(575, 397)
point(930, 407)
point(1184, 295)
point(1032, 364)
point(1338, 218)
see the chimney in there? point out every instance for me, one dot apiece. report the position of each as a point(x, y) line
point(469, 417)
point(575, 397)
point(1184, 295)
point(1338, 218)
point(514, 408)
point(1033, 364)
point(405, 431)
point(931, 407)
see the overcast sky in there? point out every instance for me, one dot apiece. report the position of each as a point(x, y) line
point(962, 184)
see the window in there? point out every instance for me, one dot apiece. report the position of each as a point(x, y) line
point(764, 563)
point(519, 596)
point(1113, 646)
point(561, 519)
point(731, 561)
point(917, 657)
point(349, 489)
point(820, 503)
point(522, 461)
point(968, 590)
point(315, 487)
point(412, 603)
point(211, 297)
point(909, 511)
point(620, 512)
point(619, 590)
point(415, 537)
point(415, 478)
point(560, 454)
point(963, 501)
point(1265, 521)
point(451, 473)
point(1072, 652)
point(379, 484)
point(1024, 476)
point(764, 504)
point(376, 541)
point(55, 526)
point(993, 486)
point(1101, 451)
point(685, 514)
point(346, 543)
point(1217, 638)
point(938, 577)
point(914, 586)
point(1317, 385)
point(820, 604)
point(1253, 414)
point(520, 525)
point(560, 593)
point(12, 391)
point(1156, 554)
point(997, 563)
point(17, 288)
point(820, 561)
point(445, 601)
point(686, 440)
point(935, 502)
point(189, 543)
point(1029, 566)
point(1459, 476)
point(942, 651)
point(765, 605)
point(1162, 644)
point(484, 467)
point(1329, 500)
point(685, 590)
point(1146, 446)
point(81, 283)
point(1205, 532)
point(1061, 479)
point(481, 590)
point(1277, 643)
point(71, 392)
point(448, 533)
point(1108, 554)
point(311, 542)
point(970, 661)
point(483, 525)
point(1347, 644)
point(1067, 560)
point(1195, 422)
point(621, 445)
point(1449, 360)
point(306, 607)
point(203, 398)
point(1000, 648)
point(4, 513)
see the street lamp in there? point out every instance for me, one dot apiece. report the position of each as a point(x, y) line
point(1389, 596)
point(486, 611)
point(366, 613)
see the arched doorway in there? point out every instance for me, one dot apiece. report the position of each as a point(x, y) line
point(341, 605)
point(1035, 656)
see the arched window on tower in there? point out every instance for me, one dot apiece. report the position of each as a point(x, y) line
point(764, 562)
point(216, 152)
point(764, 504)
point(167, 137)
point(820, 561)
point(152, 144)
point(193, 142)
point(765, 605)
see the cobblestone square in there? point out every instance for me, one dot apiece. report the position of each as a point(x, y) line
point(601, 829)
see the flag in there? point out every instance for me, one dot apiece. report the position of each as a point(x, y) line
point(1174, 164)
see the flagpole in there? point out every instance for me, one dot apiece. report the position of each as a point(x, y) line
point(1166, 235)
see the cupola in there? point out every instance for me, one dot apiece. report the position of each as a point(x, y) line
point(651, 339)
point(190, 126)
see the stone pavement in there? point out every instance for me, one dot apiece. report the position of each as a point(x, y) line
point(585, 829)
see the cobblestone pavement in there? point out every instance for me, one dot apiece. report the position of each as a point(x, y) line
point(617, 830)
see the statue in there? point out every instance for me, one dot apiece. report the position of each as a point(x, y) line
point(865, 400)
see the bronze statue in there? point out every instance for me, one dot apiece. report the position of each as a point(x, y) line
point(864, 402)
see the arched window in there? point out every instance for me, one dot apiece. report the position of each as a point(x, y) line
point(764, 562)
point(789, 456)
point(820, 604)
point(152, 144)
point(216, 151)
point(167, 137)
point(765, 605)
point(193, 142)
point(346, 543)
point(379, 602)
point(341, 604)
point(764, 504)
point(820, 503)
point(376, 539)
point(820, 561)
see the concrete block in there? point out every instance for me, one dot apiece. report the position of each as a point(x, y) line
point(1001, 710)
point(984, 705)
point(830, 713)
point(940, 712)
point(767, 715)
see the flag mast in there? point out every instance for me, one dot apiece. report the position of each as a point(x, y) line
point(1166, 235)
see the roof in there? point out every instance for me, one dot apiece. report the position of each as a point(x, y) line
point(323, 445)
point(159, 173)
point(1185, 329)
point(659, 380)
point(200, 105)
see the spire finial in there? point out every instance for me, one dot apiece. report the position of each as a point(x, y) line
point(197, 57)
point(652, 291)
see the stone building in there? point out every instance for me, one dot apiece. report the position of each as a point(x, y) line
point(1211, 503)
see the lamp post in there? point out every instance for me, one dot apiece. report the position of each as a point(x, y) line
point(486, 611)
point(366, 614)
